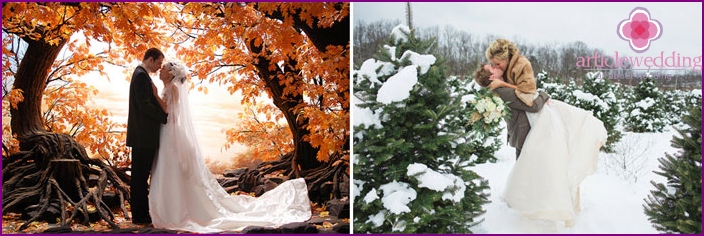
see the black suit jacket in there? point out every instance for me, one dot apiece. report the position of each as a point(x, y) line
point(145, 114)
point(518, 125)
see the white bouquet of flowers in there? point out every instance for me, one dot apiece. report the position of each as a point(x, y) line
point(486, 110)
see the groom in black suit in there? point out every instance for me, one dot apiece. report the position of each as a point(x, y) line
point(143, 126)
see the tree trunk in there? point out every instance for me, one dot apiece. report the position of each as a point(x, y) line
point(336, 35)
point(51, 167)
point(31, 78)
point(304, 153)
point(324, 180)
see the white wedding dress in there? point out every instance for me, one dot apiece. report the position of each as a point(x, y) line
point(184, 195)
point(561, 149)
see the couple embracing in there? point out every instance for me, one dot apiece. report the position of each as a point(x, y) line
point(557, 145)
point(181, 193)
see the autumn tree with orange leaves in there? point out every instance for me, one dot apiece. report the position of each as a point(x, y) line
point(264, 136)
point(296, 54)
point(50, 164)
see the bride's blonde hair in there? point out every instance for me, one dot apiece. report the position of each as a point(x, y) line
point(501, 49)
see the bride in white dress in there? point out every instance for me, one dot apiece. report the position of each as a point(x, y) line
point(560, 151)
point(184, 195)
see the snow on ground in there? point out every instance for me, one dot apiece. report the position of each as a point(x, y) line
point(612, 199)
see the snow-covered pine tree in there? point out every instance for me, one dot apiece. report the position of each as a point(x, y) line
point(410, 158)
point(677, 103)
point(543, 81)
point(557, 89)
point(646, 113)
point(625, 95)
point(599, 96)
point(596, 95)
point(676, 207)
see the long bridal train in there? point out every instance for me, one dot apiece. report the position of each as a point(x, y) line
point(561, 150)
point(184, 195)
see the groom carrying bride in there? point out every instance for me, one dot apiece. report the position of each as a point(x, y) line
point(558, 144)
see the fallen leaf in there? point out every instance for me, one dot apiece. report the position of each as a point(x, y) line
point(327, 224)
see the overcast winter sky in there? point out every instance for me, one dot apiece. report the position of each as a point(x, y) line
point(592, 23)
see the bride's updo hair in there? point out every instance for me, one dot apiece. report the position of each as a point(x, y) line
point(501, 49)
point(179, 71)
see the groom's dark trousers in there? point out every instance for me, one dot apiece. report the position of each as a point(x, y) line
point(142, 159)
point(144, 121)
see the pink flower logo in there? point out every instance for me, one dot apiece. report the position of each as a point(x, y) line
point(639, 29)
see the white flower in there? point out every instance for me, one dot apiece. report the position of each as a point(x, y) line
point(490, 106)
point(498, 100)
point(487, 117)
point(481, 106)
point(497, 115)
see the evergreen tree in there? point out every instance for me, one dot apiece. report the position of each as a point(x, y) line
point(676, 207)
point(645, 111)
point(544, 82)
point(596, 94)
point(555, 88)
point(677, 103)
point(625, 95)
point(600, 98)
point(409, 140)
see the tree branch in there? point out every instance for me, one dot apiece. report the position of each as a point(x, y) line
point(336, 35)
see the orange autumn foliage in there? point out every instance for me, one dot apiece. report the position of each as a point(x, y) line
point(9, 141)
point(265, 138)
point(213, 40)
point(223, 55)
point(68, 110)
point(127, 28)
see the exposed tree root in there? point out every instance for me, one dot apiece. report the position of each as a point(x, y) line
point(52, 167)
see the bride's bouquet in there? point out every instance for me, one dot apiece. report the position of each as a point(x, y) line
point(486, 110)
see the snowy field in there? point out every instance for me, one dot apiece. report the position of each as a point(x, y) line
point(611, 199)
